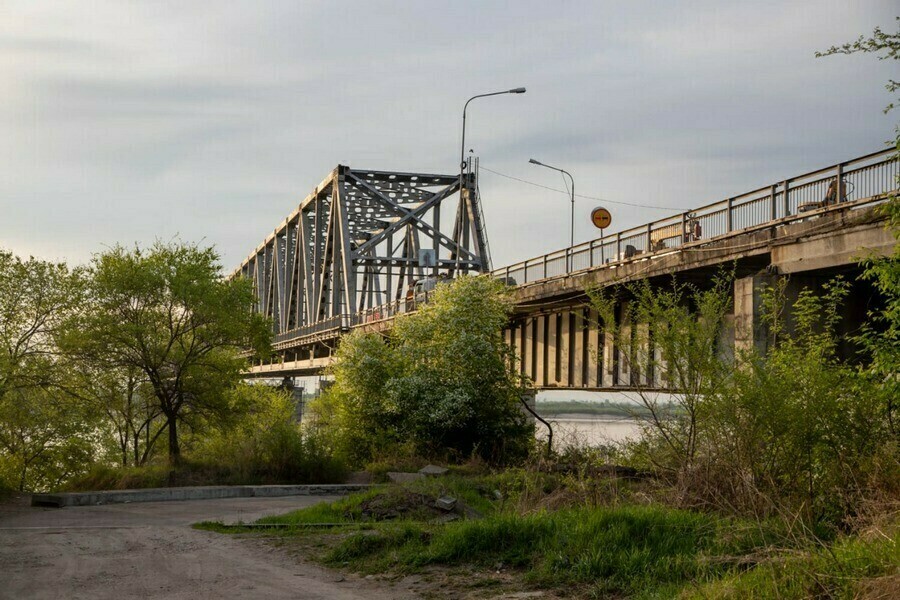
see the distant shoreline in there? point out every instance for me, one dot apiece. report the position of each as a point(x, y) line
point(588, 417)
point(591, 410)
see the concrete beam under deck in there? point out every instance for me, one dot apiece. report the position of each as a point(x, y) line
point(309, 366)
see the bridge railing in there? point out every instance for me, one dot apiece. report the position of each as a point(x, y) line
point(343, 322)
point(871, 176)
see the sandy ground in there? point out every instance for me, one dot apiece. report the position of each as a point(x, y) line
point(148, 550)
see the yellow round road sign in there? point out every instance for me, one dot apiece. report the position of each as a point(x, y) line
point(601, 218)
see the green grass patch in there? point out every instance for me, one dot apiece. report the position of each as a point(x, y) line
point(850, 568)
point(345, 510)
point(635, 551)
point(410, 502)
point(624, 550)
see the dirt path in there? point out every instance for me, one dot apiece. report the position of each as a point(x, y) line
point(148, 550)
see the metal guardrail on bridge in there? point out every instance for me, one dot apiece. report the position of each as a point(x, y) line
point(869, 176)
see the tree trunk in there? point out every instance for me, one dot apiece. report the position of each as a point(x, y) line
point(174, 450)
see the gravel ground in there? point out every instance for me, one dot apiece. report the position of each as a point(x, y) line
point(148, 550)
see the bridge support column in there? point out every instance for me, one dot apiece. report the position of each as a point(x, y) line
point(552, 349)
point(577, 348)
point(540, 366)
point(519, 338)
point(562, 348)
point(528, 348)
point(608, 362)
point(749, 331)
point(622, 357)
point(593, 356)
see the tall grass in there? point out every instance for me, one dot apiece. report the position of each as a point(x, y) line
point(626, 550)
point(854, 567)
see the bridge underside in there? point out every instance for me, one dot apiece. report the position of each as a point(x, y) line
point(555, 332)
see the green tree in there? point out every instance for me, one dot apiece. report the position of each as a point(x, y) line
point(36, 298)
point(131, 416)
point(167, 313)
point(358, 411)
point(45, 436)
point(442, 381)
point(459, 389)
point(266, 444)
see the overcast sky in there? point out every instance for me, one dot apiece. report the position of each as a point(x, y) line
point(125, 121)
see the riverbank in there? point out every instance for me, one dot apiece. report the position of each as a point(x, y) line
point(551, 534)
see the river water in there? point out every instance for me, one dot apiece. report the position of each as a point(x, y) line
point(588, 430)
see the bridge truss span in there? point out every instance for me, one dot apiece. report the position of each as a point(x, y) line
point(361, 240)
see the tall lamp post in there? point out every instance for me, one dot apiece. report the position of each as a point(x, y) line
point(572, 229)
point(462, 146)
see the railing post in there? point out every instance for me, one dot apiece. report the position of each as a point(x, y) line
point(591, 254)
point(729, 223)
point(618, 245)
point(787, 206)
point(773, 209)
point(839, 184)
point(684, 231)
point(545, 267)
point(649, 237)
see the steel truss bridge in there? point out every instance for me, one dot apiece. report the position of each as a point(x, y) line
point(350, 254)
point(359, 241)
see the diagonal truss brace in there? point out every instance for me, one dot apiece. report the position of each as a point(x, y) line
point(354, 243)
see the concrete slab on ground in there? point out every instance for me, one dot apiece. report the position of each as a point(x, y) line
point(60, 500)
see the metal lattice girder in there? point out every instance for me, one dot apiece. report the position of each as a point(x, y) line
point(354, 243)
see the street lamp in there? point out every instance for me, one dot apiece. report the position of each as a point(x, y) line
point(572, 230)
point(462, 148)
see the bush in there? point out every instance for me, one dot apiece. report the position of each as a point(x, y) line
point(442, 382)
point(795, 431)
point(267, 445)
point(262, 444)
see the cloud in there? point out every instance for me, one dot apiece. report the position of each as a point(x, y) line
point(140, 120)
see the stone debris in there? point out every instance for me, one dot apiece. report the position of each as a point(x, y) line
point(447, 503)
point(433, 471)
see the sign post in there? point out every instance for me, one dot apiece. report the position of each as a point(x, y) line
point(601, 219)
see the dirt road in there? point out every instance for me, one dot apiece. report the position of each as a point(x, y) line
point(148, 550)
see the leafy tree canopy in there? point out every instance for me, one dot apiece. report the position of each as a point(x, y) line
point(443, 381)
point(167, 313)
